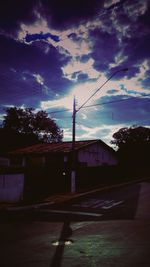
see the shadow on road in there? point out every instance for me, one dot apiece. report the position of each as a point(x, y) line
point(60, 243)
point(83, 209)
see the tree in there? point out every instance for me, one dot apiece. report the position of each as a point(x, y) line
point(134, 135)
point(10, 140)
point(133, 146)
point(29, 126)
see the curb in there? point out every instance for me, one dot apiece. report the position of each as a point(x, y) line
point(71, 196)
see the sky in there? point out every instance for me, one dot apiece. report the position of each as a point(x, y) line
point(52, 51)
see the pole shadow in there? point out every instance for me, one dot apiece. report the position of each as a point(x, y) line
point(61, 242)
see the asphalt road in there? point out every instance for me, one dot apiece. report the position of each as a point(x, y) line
point(103, 229)
point(113, 203)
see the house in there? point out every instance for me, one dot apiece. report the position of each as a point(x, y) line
point(4, 161)
point(89, 153)
point(48, 166)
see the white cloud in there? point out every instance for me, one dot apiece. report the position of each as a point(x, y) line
point(103, 132)
point(74, 48)
point(136, 9)
point(118, 60)
point(133, 10)
point(109, 3)
point(39, 26)
point(39, 79)
point(67, 133)
point(135, 83)
point(2, 117)
point(98, 132)
point(83, 116)
point(76, 67)
point(132, 87)
point(82, 92)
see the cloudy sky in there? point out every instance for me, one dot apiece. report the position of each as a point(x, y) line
point(52, 51)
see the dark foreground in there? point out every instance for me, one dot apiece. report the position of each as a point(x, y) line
point(106, 229)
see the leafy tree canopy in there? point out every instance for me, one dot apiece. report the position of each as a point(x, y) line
point(29, 126)
point(134, 135)
point(133, 147)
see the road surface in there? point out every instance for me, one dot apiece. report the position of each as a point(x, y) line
point(102, 229)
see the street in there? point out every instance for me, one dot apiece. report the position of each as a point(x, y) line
point(109, 228)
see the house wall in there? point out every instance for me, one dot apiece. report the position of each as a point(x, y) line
point(96, 155)
point(4, 161)
point(17, 161)
point(35, 160)
point(11, 187)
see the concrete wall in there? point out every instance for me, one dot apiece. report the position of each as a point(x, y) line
point(11, 187)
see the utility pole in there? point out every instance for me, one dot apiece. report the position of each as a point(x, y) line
point(73, 171)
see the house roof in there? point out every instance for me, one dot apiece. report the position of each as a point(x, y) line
point(62, 147)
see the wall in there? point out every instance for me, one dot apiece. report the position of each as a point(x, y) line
point(11, 187)
point(4, 161)
point(96, 155)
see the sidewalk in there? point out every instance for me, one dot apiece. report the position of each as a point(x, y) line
point(62, 197)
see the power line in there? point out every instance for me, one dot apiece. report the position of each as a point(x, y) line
point(58, 111)
point(125, 69)
point(103, 103)
point(131, 122)
point(115, 101)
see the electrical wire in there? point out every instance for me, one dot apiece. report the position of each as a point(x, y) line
point(103, 103)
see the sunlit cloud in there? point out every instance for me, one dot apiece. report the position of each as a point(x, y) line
point(2, 117)
point(104, 132)
point(135, 83)
point(125, 87)
point(136, 9)
point(39, 79)
point(128, 28)
point(81, 92)
point(64, 43)
point(75, 67)
point(85, 53)
point(67, 133)
point(40, 25)
point(118, 60)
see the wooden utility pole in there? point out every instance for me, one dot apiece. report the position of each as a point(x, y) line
point(73, 171)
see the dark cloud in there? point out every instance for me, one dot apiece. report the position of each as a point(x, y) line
point(138, 48)
point(14, 12)
point(105, 47)
point(125, 109)
point(29, 57)
point(31, 68)
point(62, 13)
point(57, 12)
point(19, 62)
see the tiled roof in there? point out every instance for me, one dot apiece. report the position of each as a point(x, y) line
point(56, 147)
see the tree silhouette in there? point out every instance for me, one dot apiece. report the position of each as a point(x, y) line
point(133, 145)
point(134, 135)
point(23, 126)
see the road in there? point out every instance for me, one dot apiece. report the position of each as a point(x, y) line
point(108, 228)
point(113, 203)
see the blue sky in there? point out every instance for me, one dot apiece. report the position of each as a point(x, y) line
point(52, 51)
